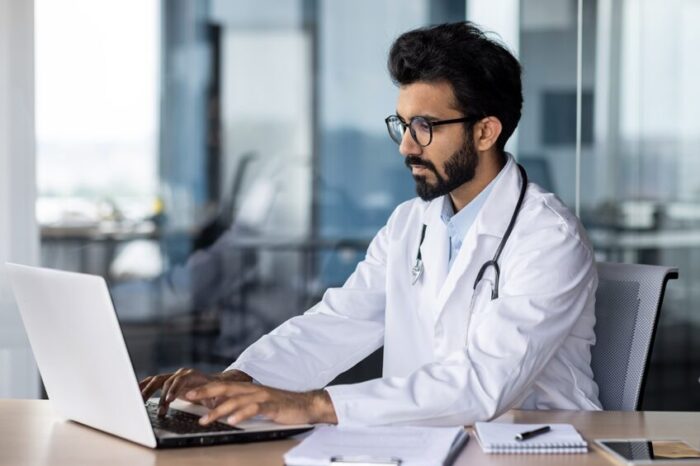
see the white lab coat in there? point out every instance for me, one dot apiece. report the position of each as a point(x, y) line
point(452, 356)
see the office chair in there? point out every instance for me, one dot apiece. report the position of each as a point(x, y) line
point(628, 303)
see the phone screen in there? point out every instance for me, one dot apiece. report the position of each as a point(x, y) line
point(666, 450)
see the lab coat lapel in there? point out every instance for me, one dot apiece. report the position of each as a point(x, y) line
point(482, 239)
point(434, 251)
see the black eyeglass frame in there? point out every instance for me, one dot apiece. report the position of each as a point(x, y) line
point(429, 123)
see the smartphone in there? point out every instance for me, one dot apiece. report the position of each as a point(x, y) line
point(649, 451)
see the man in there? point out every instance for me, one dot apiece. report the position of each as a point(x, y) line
point(464, 339)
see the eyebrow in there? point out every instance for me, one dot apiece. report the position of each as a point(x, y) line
point(427, 116)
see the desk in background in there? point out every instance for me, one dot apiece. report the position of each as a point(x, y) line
point(58, 242)
point(31, 434)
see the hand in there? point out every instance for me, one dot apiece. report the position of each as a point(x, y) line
point(173, 385)
point(240, 401)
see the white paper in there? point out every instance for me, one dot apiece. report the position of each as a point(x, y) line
point(415, 446)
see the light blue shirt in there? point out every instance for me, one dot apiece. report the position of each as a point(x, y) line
point(458, 224)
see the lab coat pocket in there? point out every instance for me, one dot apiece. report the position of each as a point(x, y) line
point(481, 297)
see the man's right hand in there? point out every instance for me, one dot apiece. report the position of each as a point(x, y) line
point(177, 383)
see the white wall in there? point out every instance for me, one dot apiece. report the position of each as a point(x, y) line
point(18, 231)
point(504, 22)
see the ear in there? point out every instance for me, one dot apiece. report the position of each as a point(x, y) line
point(486, 132)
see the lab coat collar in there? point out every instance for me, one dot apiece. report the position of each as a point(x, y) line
point(436, 248)
point(498, 209)
point(482, 239)
point(495, 214)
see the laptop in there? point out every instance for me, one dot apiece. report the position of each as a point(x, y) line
point(79, 347)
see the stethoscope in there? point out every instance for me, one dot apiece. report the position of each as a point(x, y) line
point(417, 269)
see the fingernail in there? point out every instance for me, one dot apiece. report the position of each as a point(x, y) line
point(203, 420)
point(191, 394)
point(232, 420)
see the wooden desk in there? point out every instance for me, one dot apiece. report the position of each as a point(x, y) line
point(31, 434)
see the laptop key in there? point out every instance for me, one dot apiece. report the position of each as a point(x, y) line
point(181, 422)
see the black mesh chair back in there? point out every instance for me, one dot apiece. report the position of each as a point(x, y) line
point(628, 304)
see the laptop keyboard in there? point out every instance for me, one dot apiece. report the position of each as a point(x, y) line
point(182, 422)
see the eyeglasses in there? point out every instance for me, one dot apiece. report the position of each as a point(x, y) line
point(420, 127)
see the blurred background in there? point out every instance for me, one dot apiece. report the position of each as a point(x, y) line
point(222, 163)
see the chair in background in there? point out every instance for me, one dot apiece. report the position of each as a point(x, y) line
point(628, 304)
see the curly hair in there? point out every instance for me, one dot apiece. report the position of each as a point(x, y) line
point(484, 75)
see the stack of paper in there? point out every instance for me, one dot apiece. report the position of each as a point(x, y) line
point(499, 437)
point(414, 446)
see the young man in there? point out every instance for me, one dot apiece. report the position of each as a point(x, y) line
point(481, 289)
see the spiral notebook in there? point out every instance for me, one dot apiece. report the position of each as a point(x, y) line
point(499, 437)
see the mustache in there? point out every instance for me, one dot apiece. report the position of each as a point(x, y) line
point(415, 160)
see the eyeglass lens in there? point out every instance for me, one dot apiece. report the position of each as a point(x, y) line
point(420, 129)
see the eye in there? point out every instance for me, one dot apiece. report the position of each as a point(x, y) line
point(420, 124)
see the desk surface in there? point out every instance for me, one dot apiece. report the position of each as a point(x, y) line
point(31, 434)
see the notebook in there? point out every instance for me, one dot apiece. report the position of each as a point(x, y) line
point(499, 437)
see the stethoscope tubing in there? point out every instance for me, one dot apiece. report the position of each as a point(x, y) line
point(417, 269)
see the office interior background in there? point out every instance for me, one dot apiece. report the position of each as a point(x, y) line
point(221, 163)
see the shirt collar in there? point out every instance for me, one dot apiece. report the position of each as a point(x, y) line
point(458, 224)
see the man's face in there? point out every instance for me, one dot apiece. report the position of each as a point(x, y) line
point(450, 159)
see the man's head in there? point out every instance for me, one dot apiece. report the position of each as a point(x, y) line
point(453, 71)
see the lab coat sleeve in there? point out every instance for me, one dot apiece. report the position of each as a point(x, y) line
point(547, 282)
point(347, 325)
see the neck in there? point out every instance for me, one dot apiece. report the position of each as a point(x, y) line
point(490, 164)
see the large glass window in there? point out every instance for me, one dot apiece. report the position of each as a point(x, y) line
point(639, 127)
point(641, 205)
point(223, 163)
point(97, 110)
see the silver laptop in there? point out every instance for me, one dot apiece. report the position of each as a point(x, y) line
point(86, 369)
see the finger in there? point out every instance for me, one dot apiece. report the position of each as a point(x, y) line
point(152, 387)
point(164, 401)
point(144, 382)
point(215, 389)
point(143, 385)
point(230, 407)
point(165, 388)
point(211, 403)
point(244, 413)
point(171, 378)
point(178, 385)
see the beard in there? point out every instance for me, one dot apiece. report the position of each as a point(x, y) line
point(459, 169)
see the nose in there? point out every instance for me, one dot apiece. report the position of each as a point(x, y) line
point(408, 145)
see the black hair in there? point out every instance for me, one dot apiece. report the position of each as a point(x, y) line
point(484, 75)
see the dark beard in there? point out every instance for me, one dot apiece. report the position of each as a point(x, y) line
point(459, 168)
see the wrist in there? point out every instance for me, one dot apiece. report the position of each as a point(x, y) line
point(233, 375)
point(321, 408)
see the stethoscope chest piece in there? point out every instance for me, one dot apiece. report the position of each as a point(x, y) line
point(416, 271)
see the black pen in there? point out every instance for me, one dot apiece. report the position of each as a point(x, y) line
point(532, 433)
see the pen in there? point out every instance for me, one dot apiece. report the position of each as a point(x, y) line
point(532, 433)
point(364, 461)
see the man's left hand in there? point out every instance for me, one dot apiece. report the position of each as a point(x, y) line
point(241, 400)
